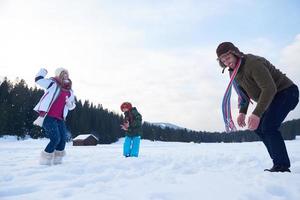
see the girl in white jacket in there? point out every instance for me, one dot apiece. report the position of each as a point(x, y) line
point(53, 108)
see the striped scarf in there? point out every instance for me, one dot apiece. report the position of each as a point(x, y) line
point(226, 107)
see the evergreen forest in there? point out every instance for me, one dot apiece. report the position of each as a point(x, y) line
point(16, 116)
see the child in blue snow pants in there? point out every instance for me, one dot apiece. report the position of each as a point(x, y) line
point(131, 146)
point(132, 125)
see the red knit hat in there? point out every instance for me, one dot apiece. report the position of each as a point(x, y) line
point(126, 105)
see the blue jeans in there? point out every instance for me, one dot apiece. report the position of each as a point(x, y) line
point(268, 129)
point(131, 146)
point(56, 131)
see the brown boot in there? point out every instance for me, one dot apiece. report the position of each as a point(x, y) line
point(278, 168)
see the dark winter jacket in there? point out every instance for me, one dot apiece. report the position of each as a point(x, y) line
point(261, 81)
point(135, 122)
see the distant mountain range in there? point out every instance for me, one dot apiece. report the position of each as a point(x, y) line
point(166, 125)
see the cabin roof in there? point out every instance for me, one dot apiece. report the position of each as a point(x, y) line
point(84, 136)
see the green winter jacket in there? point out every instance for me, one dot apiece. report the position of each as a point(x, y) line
point(261, 81)
point(135, 122)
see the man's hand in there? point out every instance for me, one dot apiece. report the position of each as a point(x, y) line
point(241, 120)
point(253, 122)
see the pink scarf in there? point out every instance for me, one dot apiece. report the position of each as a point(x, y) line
point(226, 107)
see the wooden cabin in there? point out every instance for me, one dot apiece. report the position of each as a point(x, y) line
point(85, 140)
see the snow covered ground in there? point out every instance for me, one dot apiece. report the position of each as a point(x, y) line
point(164, 171)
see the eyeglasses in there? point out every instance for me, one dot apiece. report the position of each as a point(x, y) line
point(224, 57)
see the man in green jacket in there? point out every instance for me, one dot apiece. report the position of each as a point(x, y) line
point(276, 95)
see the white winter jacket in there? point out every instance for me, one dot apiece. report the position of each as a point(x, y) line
point(52, 91)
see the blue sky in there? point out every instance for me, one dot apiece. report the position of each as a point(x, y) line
point(194, 23)
point(160, 55)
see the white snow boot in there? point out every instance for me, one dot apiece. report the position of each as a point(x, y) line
point(58, 156)
point(46, 158)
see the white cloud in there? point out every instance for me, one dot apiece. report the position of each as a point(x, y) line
point(175, 87)
point(289, 62)
point(289, 59)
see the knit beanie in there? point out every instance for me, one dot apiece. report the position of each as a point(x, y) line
point(126, 105)
point(59, 70)
point(226, 47)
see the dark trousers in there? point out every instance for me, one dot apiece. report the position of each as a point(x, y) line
point(268, 129)
point(56, 131)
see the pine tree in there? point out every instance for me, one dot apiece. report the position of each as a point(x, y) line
point(5, 89)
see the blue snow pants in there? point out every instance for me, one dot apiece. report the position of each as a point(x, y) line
point(56, 131)
point(131, 146)
point(268, 129)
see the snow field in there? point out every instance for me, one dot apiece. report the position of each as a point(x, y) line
point(164, 171)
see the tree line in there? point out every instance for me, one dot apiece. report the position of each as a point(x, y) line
point(16, 116)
